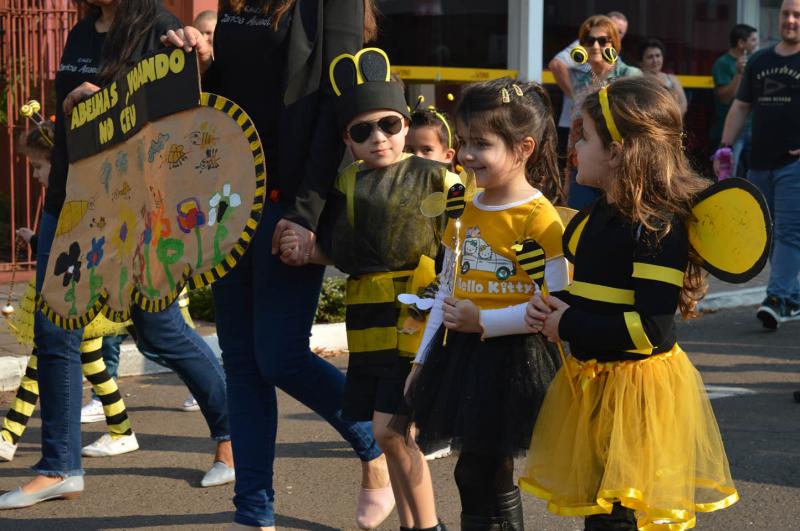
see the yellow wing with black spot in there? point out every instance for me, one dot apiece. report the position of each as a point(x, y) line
point(732, 230)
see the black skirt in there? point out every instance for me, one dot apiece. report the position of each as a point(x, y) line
point(482, 396)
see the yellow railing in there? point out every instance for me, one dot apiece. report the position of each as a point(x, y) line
point(442, 74)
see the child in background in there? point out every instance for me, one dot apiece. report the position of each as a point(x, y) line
point(377, 230)
point(206, 23)
point(430, 136)
point(626, 436)
point(483, 388)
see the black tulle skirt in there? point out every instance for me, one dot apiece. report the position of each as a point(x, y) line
point(481, 396)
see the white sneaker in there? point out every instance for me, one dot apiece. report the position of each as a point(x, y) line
point(7, 450)
point(106, 446)
point(190, 404)
point(438, 454)
point(92, 412)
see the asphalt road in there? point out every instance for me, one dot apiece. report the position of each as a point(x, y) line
point(317, 476)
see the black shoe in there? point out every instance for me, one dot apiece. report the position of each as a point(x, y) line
point(792, 312)
point(620, 519)
point(771, 311)
point(471, 522)
point(510, 508)
point(509, 518)
point(797, 396)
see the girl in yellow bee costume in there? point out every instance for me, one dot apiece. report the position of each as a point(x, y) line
point(626, 436)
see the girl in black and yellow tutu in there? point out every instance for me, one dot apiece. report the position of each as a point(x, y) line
point(481, 386)
point(626, 436)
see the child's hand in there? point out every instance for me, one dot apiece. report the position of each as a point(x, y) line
point(289, 246)
point(552, 320)
point(535, 313)
point(462, 315)
point(25, 233)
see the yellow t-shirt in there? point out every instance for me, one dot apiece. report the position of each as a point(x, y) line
point(489, 274)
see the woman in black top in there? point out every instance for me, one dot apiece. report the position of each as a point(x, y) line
point(99, 48)
point(271, 58)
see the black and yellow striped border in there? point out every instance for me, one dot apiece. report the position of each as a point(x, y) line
point(187, 278)
point(240, 247)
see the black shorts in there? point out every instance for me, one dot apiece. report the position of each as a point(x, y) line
point(369, 388)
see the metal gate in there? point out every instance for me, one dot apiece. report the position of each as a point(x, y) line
point(32, 37)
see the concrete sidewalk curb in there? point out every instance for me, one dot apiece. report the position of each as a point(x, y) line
point(327, 336)
point(733, 299)
point(132, 363)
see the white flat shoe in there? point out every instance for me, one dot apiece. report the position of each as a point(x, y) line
point(219, 474)
point(68, 489)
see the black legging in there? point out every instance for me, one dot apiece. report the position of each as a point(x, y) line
point(480, 479)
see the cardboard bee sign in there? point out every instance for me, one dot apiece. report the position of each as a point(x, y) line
point(166, 186)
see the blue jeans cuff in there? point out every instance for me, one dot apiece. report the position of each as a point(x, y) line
point(254, 522)
point(220, 438)
point(373, 453)
point(57, 473)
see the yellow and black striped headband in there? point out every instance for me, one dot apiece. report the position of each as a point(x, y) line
point(607, 116)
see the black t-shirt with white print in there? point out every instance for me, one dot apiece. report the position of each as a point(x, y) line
point(771, 85)
point(249, 64)
point(80, 62)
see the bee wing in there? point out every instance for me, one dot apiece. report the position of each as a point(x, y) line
point(433, 205)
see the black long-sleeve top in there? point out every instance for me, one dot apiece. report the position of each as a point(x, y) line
point(626, 286)
point(280, 78)
point(80, 62)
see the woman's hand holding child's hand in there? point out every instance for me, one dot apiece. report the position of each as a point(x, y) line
point(462, 316)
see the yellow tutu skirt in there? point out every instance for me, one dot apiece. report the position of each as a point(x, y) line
point(641, 433)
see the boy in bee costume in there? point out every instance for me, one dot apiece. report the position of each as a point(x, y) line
point(383, 223)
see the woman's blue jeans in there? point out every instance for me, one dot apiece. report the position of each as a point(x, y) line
point(60, 377)
point(264, 311)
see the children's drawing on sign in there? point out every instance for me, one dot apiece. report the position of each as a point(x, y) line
point(204, 137)
point(191, 218)
point(123, 193)
point(72, 213)
point(122, 163)
point(157, 146)
point(140, 226)
point(176, 156)
point(210, 161)
point(105, 177)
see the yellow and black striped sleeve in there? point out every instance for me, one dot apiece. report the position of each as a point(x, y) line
point(646, 327)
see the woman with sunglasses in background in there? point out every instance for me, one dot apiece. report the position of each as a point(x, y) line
point(271, 57)
point(599, 47)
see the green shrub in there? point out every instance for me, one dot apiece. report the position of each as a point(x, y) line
point(201, 304)
point(331, 306)
point(331, 301)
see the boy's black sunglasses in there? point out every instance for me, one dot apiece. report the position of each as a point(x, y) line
point(360, 132)
point(589, 41)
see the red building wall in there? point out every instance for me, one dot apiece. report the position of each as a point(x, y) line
point(186, 10)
